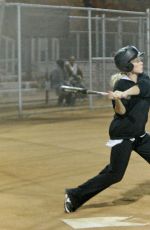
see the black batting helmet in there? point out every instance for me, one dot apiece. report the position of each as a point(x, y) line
point(124, 56)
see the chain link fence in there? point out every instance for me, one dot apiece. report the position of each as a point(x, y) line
point(34, 37)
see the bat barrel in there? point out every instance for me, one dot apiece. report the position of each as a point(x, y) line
point(73, 89)
point(81, 90)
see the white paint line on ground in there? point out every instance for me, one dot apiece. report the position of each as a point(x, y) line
point(101, 222)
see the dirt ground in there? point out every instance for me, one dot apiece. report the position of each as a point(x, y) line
point(43, 155)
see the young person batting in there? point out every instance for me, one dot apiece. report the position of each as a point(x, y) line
point(131, 101)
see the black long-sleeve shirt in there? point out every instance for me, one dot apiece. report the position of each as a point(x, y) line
point(132, 123)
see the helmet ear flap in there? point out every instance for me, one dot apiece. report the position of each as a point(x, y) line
point(129, 67)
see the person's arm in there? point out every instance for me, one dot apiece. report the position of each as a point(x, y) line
point(119, 108)
point(142, 88)
point(80, 72)
point(130, 92)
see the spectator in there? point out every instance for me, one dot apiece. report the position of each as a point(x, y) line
point(57, 78)
point(74, 72)
point(75, 78)
point(47, 89)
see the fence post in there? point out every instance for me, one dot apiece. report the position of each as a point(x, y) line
point(148, 40)
point(90, 55)
point(104, 50)
point(119, 32)
point(78, 45)
point(19, 58)
point(97, 36)
point(140, 32)
point(2, 12)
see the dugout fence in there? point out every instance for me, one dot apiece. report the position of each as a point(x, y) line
point(33, 37)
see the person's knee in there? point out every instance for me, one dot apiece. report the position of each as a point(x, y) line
point(113, 176)
point(117, 177)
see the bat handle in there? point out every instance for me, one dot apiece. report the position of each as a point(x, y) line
point(97, 92)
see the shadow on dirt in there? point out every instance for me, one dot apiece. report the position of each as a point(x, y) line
point(130, 196)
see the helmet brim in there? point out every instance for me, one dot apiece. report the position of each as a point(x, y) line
point(140, 54)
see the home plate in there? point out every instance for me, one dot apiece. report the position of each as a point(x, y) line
point(101, 222)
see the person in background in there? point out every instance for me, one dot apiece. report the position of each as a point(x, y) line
point(47, 87)
point(131, 102)
point(57, 78)
point(74, 72)
point(75, 78)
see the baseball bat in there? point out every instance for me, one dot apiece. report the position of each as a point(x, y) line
point(81, 90)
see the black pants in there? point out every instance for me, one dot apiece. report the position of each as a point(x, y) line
point(114, 172)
